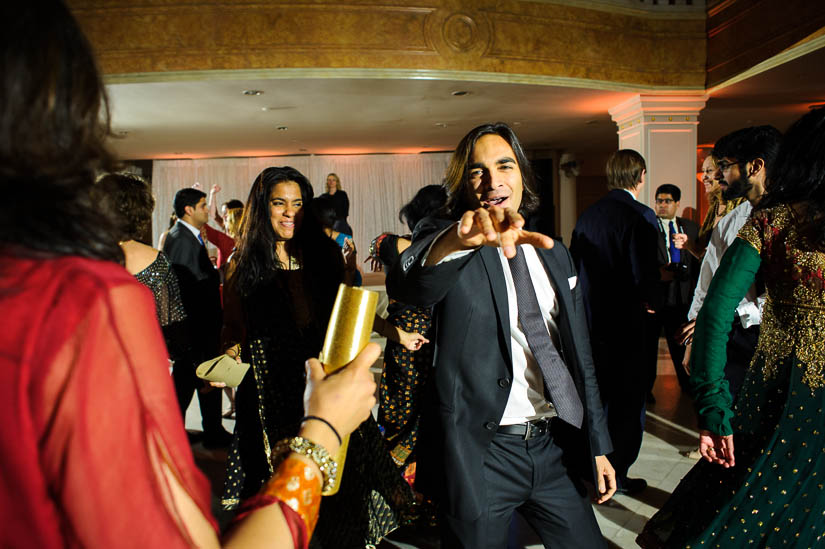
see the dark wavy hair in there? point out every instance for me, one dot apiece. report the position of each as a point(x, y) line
point(460, 197)
point(255, 258)
point(428, 201)
point(799, 174)
point(129, 199)
point(54, 118)
point(748, 144)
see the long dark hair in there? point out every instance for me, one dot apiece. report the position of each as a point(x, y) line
point(798, 173)
point(54, 118)
point(256, 260)
point(457, 178)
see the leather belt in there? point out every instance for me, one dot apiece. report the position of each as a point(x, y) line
point(527, 430)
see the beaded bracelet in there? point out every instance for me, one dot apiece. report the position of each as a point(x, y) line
point(315, 452)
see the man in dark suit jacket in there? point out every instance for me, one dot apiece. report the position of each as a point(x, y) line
point(200, 294)
point(679, 274)
point(489, 441)
point(614, 247)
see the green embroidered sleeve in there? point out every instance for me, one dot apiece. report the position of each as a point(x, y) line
point(730, 283)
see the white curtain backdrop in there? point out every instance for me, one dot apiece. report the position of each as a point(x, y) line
point(377, 185)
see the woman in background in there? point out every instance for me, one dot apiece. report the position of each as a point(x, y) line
point(128, 200)
point(405, 373)
point(760, 481)
point(278, 299)
point(341, 202)
point(97, 455)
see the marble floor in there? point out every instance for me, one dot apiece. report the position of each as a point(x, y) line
point(670, 435)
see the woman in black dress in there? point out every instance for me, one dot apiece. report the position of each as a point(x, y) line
point(278, 298)
point(405, 371)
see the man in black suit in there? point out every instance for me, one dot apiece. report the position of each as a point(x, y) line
point(200, 294)
point(515, 405)
point(614, 247)
point(679, 274)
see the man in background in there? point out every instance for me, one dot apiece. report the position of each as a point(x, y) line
point(200, 294)
point(614, 248)
point(743, 162)
point(679, 273)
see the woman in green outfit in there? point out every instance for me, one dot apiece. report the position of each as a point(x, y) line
point(762, 480)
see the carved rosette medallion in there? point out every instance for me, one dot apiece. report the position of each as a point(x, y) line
point(458, 33)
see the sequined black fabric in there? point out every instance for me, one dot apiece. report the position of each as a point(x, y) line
point(160, 278)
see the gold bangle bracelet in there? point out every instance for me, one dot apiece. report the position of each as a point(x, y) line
point(315, 452)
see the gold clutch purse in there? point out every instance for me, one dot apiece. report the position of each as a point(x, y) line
point(223, 369)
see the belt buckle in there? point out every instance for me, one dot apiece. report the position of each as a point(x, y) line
point(528, 432)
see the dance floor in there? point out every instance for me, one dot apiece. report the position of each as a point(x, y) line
point(670, 436)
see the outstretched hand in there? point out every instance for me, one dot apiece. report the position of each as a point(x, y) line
point(716, 448)
point(498, 227)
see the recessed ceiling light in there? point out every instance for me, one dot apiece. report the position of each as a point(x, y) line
point(253, 92)
point(441, 124)
point(516, 123)
point(459, 93)
point(282, 128)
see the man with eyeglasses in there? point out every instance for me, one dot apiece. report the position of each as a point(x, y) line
point(679, 273)
point(743, 162)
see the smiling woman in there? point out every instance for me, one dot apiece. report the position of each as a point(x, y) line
point(278, 298)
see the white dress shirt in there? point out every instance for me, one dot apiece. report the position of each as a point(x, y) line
point(723, 235)
point(526, 400)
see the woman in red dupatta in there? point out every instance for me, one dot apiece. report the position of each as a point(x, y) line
point(93, 450)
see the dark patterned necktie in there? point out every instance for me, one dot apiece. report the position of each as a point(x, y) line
point(557, 379)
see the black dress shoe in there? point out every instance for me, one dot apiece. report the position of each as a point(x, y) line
point(219, 439)
point(631, 486)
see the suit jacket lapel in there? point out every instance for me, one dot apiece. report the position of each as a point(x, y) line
point(492, 263)
point(560, 284)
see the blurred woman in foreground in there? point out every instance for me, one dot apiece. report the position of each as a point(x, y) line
point(96, 454)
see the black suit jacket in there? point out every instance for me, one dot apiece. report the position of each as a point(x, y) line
point(680, 290)
point(473, 364)
point(614, 248)
point(199, 289)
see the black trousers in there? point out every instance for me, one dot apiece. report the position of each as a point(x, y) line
point(671, 318)
point(186, 382)
point(528, 476)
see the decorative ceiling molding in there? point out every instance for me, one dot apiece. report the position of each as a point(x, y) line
point(392, 74)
